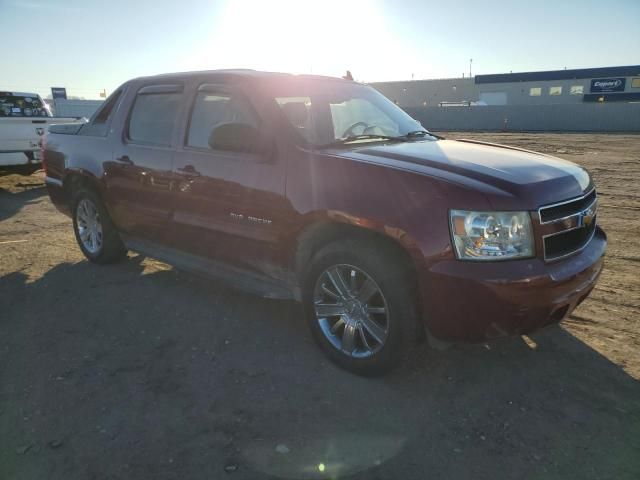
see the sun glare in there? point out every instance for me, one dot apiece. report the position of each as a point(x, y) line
point(300, 36)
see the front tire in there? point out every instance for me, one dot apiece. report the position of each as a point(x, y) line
point(360, 304)
point(26, 169)
point(95, 232)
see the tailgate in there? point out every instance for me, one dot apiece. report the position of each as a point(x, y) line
point(21, 134)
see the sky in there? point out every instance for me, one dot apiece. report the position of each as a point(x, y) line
point(91, 45)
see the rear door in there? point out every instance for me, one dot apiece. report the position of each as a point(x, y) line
point(228, 205)
point(139, 179)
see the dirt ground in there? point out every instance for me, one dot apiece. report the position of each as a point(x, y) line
point(138, 371)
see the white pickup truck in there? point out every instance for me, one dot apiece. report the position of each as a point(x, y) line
point(24, 119)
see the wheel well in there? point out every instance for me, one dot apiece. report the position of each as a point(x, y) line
point(317, 236)
point(75, 181)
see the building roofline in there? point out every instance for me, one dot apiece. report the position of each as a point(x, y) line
point(418, 80)
point(574, 74)
point(547, 75)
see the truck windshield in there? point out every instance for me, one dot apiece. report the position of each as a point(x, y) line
point(22, 105)
point(334, 112)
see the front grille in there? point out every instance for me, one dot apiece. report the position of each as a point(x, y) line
point(571, 225)
point(565, 243)
point(563, 210)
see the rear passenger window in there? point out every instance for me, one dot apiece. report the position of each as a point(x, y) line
point(153, 117)
point(213, 109)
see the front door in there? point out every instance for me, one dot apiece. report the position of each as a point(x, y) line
point(139, 179)
point(228, 205)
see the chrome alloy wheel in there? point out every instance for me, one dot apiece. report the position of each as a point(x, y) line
point(89, 226)
point(351, 310)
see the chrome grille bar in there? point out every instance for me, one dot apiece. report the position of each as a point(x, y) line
point(573, 222)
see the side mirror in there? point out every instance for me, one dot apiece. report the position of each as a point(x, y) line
point(239, 137)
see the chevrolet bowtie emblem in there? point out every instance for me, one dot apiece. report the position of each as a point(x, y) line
point(587, 216)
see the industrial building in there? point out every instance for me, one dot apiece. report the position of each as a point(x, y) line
point(609, 84)
point(589, 99)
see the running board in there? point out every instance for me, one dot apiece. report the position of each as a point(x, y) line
point(238, 278)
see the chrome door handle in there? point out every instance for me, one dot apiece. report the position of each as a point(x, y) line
point(124, 159)
point(189, 171)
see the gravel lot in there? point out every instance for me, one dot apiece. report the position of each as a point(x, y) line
point(138, 371)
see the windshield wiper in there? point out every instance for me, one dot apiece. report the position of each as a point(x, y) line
point(353, 138)
point(399, 138)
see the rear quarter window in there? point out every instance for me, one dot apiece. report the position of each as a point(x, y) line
point(99, 124)
point(105, 113)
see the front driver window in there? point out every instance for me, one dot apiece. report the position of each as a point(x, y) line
point(326, 112)
point(298, 113)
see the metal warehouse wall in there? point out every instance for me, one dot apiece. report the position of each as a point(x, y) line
point(612, 117)
point(515, 88)
point(415, 93)
point(75, 108)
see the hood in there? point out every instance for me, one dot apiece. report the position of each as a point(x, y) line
point(509, 176)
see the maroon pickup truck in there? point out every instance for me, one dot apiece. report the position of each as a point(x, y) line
point(323, 191)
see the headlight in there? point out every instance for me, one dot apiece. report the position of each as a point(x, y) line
point(491, 235)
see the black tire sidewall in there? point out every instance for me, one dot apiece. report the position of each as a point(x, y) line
point(112, 247)
point(393, 280)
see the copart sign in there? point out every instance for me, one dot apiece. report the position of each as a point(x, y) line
point(607, 85)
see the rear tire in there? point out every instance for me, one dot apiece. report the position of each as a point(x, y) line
point(95, 232)
point(360, 303)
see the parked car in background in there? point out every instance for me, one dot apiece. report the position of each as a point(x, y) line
point(322, 190)
point(24, 118)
